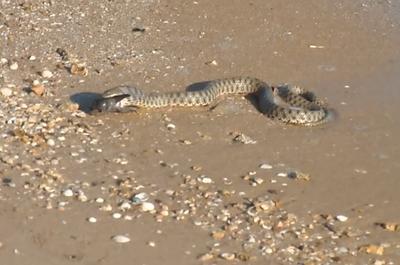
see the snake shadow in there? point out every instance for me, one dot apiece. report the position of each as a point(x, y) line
point(85, 100)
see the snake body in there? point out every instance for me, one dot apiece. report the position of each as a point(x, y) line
point(284, 103)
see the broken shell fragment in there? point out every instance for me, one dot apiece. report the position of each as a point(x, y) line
point(78, 69)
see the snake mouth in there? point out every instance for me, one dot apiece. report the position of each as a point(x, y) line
point(109, 104)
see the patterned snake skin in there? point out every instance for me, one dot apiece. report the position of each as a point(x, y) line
point(284, 103)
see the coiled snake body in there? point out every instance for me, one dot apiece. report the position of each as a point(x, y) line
point(284, 103)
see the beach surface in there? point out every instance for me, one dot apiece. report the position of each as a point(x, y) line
point(198, 186)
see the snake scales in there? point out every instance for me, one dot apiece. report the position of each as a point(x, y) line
point(284, 103)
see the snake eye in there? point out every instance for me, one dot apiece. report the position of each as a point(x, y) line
point(101, 105)
point(109, 103)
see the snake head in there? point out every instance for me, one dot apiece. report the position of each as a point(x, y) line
point(110, 104)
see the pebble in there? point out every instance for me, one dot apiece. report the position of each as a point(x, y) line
point(204, 179)
point(79, 69)
point(47, 74)
point(147, 207)
point(265, 166)
point(38, 89)
point(99, 200)
point(6, 92)
point(372, 249)
point(121, 239)
point(212, 62)
point(125, 206)
point(14, 66)
point(68, 193)
point(218, 235)
point(342, 218)
point(51, 142)
point(206, 257)
point(116, 215)
point(140, 198)
point(244, 139)
point(171, 126)
point(227, 256)
point(92, 220)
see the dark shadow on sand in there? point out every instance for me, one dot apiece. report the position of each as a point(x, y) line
point(85, 100)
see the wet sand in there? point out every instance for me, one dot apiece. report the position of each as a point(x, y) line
point(346, 52)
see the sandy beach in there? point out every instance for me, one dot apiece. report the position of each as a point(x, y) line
point(196, 185)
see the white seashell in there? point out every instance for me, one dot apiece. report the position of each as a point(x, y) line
point(47, 74)
point(116, 215)
point(125, 206)
point(147, 207)
point(121, 239)
point(100, 200)
point(6, 92)
point(342, 218)
point(68, 193)
point(265, 166)
point(92, 220)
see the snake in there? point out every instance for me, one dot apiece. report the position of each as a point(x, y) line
point(285, 103)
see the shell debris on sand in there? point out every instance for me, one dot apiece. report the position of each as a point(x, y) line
point(6, 91)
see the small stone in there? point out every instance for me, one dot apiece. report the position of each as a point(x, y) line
point(125, 206)
point(186, 142)
point(244, 139)
point(296, 175)
point(14, 66)
point(140, 198)
point(212, 62)
point(79, 69)
point(379, 262)
point(47, 74)
point(6, 92)
point(51, 142)
point(205, 179)
point(171, 126)
point(116, 215)
point(218, 235)
point(164, 213)
point(206, 257)
point(3, 61)
point(68, 193)
point(82, 197)
point(372, 249)
point(269, 250)
point(106, 208)
point(265, 166)
point(121, 239)
point(342, 218)
point(227, 256)
point(92, 220)
point(258, 180)
point(394, 227)
point(38, 89)
point(99, 200)
point(32, 58)
point(147, 207)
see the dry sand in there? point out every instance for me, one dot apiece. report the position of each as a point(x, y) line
point(213, 202)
